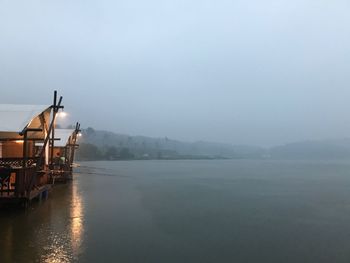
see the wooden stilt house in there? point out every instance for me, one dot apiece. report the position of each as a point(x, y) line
point(23, 170)
point(65, 144)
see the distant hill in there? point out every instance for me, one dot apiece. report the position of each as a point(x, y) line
point(98, 144)
point(317, 150)
point(111, 145)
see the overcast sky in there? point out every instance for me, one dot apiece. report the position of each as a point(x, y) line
point(243, 72)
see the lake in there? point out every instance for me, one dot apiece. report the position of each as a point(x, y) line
point(188, 211)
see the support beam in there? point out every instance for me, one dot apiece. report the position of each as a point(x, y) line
point(55, 109)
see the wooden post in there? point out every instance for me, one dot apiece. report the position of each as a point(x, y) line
point(55, 110)
point(25, 157)
point(21, 177)
point(66, 154)
point(51, 143)
point(77, 130)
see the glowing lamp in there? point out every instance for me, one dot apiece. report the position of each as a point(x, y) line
point(62, 114)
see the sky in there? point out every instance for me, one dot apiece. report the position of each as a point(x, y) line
point(241, 72)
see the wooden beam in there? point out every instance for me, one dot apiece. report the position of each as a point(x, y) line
point(55, 109)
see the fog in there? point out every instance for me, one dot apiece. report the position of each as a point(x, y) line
point(241, 72)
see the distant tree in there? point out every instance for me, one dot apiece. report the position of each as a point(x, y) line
point(125, 154)
point(88, 151)
point(90, 131)
point(157, 144)
point(105, 138)
point(111, 153)
point(129, 140)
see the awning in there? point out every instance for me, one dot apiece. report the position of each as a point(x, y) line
point(15, 118)
point(63, 135)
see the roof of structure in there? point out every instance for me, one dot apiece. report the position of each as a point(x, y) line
point(63, 135)
point(14, 118)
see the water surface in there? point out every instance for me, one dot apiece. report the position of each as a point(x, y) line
point(188, 211)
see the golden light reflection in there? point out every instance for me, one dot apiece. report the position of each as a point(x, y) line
point(77, 215)
point(58, 255)
point(67, 246)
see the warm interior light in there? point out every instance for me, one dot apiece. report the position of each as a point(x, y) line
point(19, 141)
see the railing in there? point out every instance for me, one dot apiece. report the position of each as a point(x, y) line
point(17, 181)
point(26, 179)
point(60, 173)
point(5, 181)
point(17, 162)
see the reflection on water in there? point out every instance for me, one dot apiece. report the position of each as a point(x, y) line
point(188, 211)
point(65, 240)
point(50, 231)
point(77, 215)
point(8, 239)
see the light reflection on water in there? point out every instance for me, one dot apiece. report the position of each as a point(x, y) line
point(65, 245)
point(50, 231)
point(188, 211)
point(77, 226)
point(6, 245)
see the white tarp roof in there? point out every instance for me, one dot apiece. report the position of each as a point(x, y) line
point(14, 118)
point(63, 135)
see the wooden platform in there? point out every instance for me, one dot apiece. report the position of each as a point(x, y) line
point(38, 192)
point(61, 177)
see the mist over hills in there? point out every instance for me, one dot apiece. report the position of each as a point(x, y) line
point(111, 145)
point(99, 144)
point(318, 150)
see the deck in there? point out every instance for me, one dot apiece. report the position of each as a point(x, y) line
point(37, 193)
point(61, 175)
point(21, 185)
